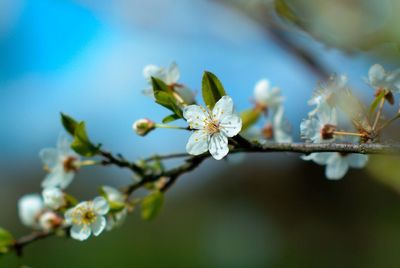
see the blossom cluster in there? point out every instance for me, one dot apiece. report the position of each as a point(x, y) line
point(55, 209)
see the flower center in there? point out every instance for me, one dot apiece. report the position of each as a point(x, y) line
point(212, 126)
point(268, 132)
point(69, 164)
point(327, 131)
point(88, 217)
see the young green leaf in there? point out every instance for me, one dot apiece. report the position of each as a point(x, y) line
point(151, 205)
point(212, 89)
point(69, 123)
point(376, 102)
point(6, 240)
point(81, 143)
point(170, 118)
point(249, 118)
point(159, 85)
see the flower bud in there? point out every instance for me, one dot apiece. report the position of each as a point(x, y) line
point(143, 126)
point(49, 221)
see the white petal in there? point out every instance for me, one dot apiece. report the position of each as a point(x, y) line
point(153, 71)
point(185, 93)
point(113, 194)
point(319, 158)
point(261, 91)
point(64, 145)
point(223, 107)
point(50, 157)
point(337, 167)
point(100, 205)
point(67, 178)
point(231, 125)
point(98, 225)
point(80, 232)
point(68, 215)
point(218, 146)
point(357, 160)
point(196, 116)
point(198, 143)
point(376, 74)
point(29, 207)
point(173, 74)
point(53, 198)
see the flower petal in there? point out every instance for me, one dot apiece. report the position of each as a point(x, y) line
point(196, 116)
point(337, 167)
point(50, 157)
point(376, 75)
point(218, 146)
point(173, 74)
point(231, 125)
point(223, 107)
point(319, 158)
point(80, 232)
point(357, 160)
point(64, 145)
point(198, 143)
point(100, 205)
point(98, 225)
point(153, 71)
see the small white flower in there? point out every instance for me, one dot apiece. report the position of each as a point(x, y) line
point(87, 218)
point(169, 76)
point(212, 128)
point(62, 163)
point(381, 79)
point(53, 198)
point(49, 221)
point(320, 126)
point(115, 219)
point(337, 164)
point(30, 207)
point(267, 97)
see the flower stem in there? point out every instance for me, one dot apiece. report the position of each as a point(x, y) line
point(387, 123)
point(378, 114)
point(169, 126)
point(89, 163)
point(348, 133)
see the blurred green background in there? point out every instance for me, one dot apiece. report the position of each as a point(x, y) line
point(85, 57)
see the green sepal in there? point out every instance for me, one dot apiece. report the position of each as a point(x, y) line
point(376, 101)
point(151, 205)
point(212, 89)
point(164, 96)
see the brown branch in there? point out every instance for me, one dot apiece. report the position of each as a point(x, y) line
point(193, 162)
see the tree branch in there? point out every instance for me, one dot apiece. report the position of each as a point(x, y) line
point(193, 162)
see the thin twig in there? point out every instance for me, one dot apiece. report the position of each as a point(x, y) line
point(378, 115)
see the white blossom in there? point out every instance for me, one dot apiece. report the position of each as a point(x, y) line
point(169, 76)
point(320, 126)
point(337, 164)
point(267, 97)
point(29, 208)
point(115, 196)
point(213, 128)
point(53, 198)
point(87, 218)
point(324, 94)
point(381, 79)
point(62, 164)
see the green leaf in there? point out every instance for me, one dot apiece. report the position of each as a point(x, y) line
point(376, 102)
point(151, 205)
point(165, 97)
point(212, 89)
point(81, 143)
point(170, 118)
point(249, 118)
point(69, 123)
point(6, 240)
